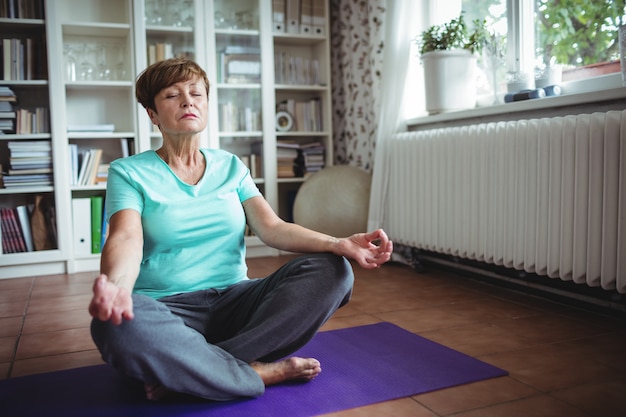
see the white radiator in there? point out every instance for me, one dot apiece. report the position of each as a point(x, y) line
point(546, 196)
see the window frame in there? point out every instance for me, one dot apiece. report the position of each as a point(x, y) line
point(521, 55)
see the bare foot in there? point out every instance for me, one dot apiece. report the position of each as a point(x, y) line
point(290, 369)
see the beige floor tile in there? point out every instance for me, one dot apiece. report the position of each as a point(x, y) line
point(605, 398)
point(474, 396)
point(551, 367)
point(539, 406)
point(56, 362)
point(404, 407)
point(13, 308)
point(48, 305)
point(7, 348)
point(10, 326)
point(54, 343)
point(57, 320)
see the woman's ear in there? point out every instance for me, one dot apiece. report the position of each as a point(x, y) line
point(154, 117)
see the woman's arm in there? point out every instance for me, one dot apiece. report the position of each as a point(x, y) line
point(123, 249)
point(370, 250)
point(119, 268)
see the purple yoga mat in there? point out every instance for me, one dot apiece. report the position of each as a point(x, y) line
point(360, 366)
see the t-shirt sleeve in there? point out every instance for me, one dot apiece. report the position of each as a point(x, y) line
point(247, 186)
point(122, 191)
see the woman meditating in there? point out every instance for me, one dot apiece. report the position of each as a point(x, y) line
point(173, 305)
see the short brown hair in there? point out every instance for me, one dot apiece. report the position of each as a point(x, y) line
point(163, 74)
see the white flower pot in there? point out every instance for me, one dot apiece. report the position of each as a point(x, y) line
point(450, 80)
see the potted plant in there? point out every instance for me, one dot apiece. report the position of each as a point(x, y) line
point(448, 54)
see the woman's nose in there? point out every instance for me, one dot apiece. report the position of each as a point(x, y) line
point(187, 100)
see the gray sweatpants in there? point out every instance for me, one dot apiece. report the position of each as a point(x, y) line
point(201, 343)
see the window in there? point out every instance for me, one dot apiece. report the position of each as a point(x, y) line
point(579, 35)
point(579, 38)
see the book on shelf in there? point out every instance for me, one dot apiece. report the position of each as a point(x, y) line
point(296, 70)
point(298, 16)
point(318, 18)
point(292, 11)
point(81, 225)
point(239, 64)
point(23, 217)
point(12, 235)
point(22, 9)
point(29, 180)
point(8, 114)
point(32, 121)
point(97, 204)
point(15, 225)
point(278, 15)
point(30, 164)
point(7, 111)
point(89, 164)
point(306, 17)
point(95, 127)
point(94, 164)
point(88, 224)
point(307, 115)
point(160, 51)
point(18, 59)
point(254, 160)
point(304, 156)
point(7, 95)
point(239, 119)
point(102, 174)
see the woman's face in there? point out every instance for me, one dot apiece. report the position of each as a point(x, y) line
point(181, 108)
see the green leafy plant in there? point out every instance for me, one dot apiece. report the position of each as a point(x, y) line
point(453, 35)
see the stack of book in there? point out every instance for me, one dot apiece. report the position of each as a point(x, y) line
point(30, 164)
point(7, 112)
point(7, 117)
point(287, 160)
point(313, 158)
point(297, 159)
point(239, 64)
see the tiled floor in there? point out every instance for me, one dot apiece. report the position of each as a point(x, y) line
point(562, 361)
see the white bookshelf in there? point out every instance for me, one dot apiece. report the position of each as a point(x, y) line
point(119, 38)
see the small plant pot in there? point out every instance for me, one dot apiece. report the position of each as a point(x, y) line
point(450, 80)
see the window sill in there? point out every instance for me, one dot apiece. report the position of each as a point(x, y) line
point(579, 96)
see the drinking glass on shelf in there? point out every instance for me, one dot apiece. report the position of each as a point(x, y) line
point(173, 16)
point(120, 67)
point(190, 13)
point(70, 62)
point(86, 67)
point(104, 72)
point(153, 14)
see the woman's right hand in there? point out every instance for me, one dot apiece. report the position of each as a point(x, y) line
point(110, 301)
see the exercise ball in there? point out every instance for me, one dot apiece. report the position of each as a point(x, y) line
point(334, 201)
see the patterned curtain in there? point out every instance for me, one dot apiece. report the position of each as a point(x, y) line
point(357, 41)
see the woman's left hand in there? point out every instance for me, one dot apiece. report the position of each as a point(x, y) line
point(370, 250)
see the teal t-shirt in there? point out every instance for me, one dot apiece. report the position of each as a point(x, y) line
point(193, 234)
